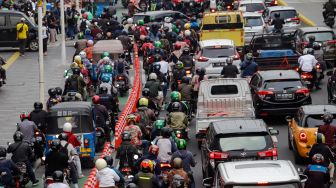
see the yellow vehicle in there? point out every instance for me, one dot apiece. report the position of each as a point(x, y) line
point(303, 127)
point(223, 25)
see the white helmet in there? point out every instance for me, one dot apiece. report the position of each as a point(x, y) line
point(106, 59)
point(90, 42)
point(187, 33)
point(130, 20)
point(167, 19)
point(82, 54)
point(101, 164)
point(152, 76)
point(67, 127)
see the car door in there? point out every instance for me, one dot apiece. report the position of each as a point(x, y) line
point(14, 19)
point(4, 30)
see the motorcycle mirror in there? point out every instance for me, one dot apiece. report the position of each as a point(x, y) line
point(8, 143)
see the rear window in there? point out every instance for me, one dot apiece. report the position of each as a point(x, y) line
point(283, 85)
point(320, 36)
point(284, 14)
point(218, 51)
point(224, 90)
point(253, 21)
point(243, 142)
point(316, 120)
point(253, 7)
point(223, 19)
point(55, 124)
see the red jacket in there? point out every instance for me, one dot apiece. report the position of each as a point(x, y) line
point(72, 139)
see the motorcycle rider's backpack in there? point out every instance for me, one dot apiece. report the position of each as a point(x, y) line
point(144, 119)
point(72, 83)
point(137, 33)
point(64, 149)
point(120, 66)
point(82, 25)
point(6, 174)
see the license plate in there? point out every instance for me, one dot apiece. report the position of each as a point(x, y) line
point(218, 64)
point(284, 96)
point(38, 138)
point(85, 150)
point(307, 82)
point(243, 159)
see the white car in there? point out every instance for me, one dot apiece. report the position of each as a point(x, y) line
point(254, 24)
point(288, 14)
point(252, 6)
point(213, 54)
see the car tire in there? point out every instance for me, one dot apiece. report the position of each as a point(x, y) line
point(290, 147)
point(33, 45)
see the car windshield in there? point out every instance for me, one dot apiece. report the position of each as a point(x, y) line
point(317, 120)
point(283, 85)
point(218, 51)
point(319, 36)
point(245, 142)
point(284, 14)
point(253, 21)
point(252, 7)
point(292, 185)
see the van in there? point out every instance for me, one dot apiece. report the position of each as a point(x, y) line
point(8, 22)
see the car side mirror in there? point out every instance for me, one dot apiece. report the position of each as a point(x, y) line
point(207, 182)
point(303, 178)
point(300, 170)
point(288, 118)
point(330, 73)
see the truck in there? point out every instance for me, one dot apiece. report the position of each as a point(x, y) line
point(220, 99)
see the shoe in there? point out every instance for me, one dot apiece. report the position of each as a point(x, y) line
point(36, 182)
point(81, 176)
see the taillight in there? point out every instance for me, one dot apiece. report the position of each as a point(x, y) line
point(86, 142)
point(218, 155)
point(303, 91)
point(296, 19)
point(178, 135)
point(332, 42)
point(212, 10)
point(202, 59)
point(274, 2)
point(305, 76)
point(303, 137)
point(165, 165)
point(262, 94)
point(269, 154)
point(236, 56)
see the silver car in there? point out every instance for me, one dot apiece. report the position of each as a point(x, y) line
point(213, 54)
point(254, 24)
point(288, 14)
point(252, 6)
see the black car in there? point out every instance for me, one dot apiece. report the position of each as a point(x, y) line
point(236, 140)
point(8, 22)
point(152, 17)
point(278, 92)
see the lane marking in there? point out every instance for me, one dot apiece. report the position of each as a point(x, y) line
point(11, 60)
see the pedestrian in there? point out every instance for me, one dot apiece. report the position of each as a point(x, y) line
point(22, 32)
point(57, 14)
point(72, 14)
point(51, 22)
point(45, 37)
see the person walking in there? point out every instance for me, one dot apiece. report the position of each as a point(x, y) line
point(21, 35)
point(52, 24)
point(45, 37)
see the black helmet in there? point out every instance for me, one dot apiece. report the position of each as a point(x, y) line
point(76, 71)
point(38, 105)
point(156, 67)
point(310, 51)
point(59, 90)
point(55, 145)
point(316, 46)
point(311, 38)
point(157, 58)
point(176, 106)
point(179, 38)
point(328, 118)
point(178, 181)
point(18, 136)
point(122, 56)
point(63, 136)
point(163, 36)
point(157, 50)
point(201, 71)
point(126, 136)
point(147, 39)
point(3, 152)
point(58, 176)
point(165, 29)
point(165, 132)
point(52, 92)
point(186, 51)
point(277, 15)
point(185, 80)
point(109, 160)
point(132, 185)
point(103, 89)
point(145, 92)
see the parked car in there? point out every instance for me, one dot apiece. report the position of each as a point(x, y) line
point(257, 6)
point(302, 128)
point(289, 14)
point(152, 17)
point(213, 54)
point(278, 92)
point(254, 24)
point(236, 140)
point(8, 22)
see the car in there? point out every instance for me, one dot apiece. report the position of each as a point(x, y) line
point(257, 6)
point(302, 128)
point(269, 3)
point(152, 17)
point(289, 14)
point(278, 92)
point(213, 53)
point(8, 22)
point(254, 24)
point(280, 173)
point(236, 139)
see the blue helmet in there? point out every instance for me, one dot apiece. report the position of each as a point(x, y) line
point(105, 79)
point(87, 32)
point(194, 25)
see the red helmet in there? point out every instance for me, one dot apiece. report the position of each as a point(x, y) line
point(95, 99)
point(24, 115)
point(154, 149)
point(85, 15)
point(177, 46)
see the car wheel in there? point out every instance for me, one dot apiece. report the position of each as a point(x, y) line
point(290, 147)
point(33, 45)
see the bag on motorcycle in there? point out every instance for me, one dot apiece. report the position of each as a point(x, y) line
point(72, 84)
point(64, 149)
point(6, 175)
point(120, 66)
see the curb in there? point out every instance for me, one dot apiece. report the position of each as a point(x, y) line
point(303, 18)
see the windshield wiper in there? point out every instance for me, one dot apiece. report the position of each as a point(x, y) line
point(241, 149)
point(286, 88)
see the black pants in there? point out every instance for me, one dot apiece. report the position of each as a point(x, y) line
point(45, 45)
point(2, 73)
point(22, 46)
point(30, 171)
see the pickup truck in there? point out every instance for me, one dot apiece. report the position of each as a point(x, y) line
point(274, 51)
point(220, 99)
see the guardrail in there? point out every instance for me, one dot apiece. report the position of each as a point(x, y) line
point(130, 107)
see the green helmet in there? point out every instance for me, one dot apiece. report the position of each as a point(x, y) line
point(157, 44)
point(181, 144)
point(179, 65)
point(159, 124)
point(175, 96)
point(80, 35)
point(141, 22)
point(108, 68)
point(105, 54)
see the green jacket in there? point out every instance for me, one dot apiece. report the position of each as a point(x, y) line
point(177, 120)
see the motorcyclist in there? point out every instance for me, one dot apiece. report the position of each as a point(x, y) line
point(177, 120)
point(121, 66)
point(133, 129)
point(155, 89)
point(186, 58)
point(106, 177)
point(2, 70)
point(147, 115)
point(89, 50)
point(157, 49)
point(58, 180)
point(8, 169)
point(181, 41)
point(178, 170)
point(151, 104)
point(165, 43)
point(86, 62)
point(166, 145)
point(27, 127)
point(178, 74)
point(176, 54)
point(109, 161)
point(311, 41)
point(278, 23)
point(75, 83)
point(328, 7)
point(109, 101)
point(154, 33)
point(126, 151)
point(308, 64)
point(142, 30)
point(38, 116)
point(328, 130)
point(72, 139)
point(53, 99)
point(175, 96)
point(146, 178)
point(101, 114)
point(22, 152)
point(125, 41)
point(229, 70)
point(161, 77)
point(318, 175)
point(185, 89)
point(249, 66)
point(191, 40)
point(152, 154)
point(177, 182)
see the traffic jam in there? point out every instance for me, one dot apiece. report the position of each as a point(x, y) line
point(215, 74)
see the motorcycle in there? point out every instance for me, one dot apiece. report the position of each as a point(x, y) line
point(126, 171)
point(22, 179)
point(128, 57)
point(165, 169)
point(122, 85)
point(330, 19)
point(101, 138)
point(307, 78)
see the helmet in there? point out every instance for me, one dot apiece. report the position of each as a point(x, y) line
point(249, 56)
point(145, 92)
point(63, 136)
point(316, 46)
point(181, 144)
point(176, 106)
point(130, 20)
point(229, 60)
point(82, 54)
point(78, 59)
point(146, 166)
point(156, 67)
point(103, 89)
point(126, 136)
point(85, 15)
point(277, 15)
point(143, 102)
point(87, 32)
point(67, 127)
point(58, 176)
point(175, 96)
point(187, 33)
point(165, 29)
point(55, 145)
point(310, 51)
point(80, 35)
point(163, 36)
point(101, 164)
point(179, 65)
point(24, 115)
point(177, 163)
point(96, 99)
point(320, 139)
point(159, 124)
point(105, 54)
point(52, 92)
point(179, 38)
point(108, 68)
point(167, 19)
point(147, 39)
point(187, 26)
point(152, 76)
point(201, 71)
point(328, 118)
point(90, 43)
point(133, 117)
point(186, 51)
point(177, 46)
point(311, 38)
point(76, 71)
point(59, 90)
point(18, 136)
point(178, 181)
point(3, 152)
point(157, 44)
point(122, 56)
point(185, 80)
point(157, 58)
point(154, 149)
point(106, 59)
point(318, 158)
point(105, 79)
point(165, 132)
point(132, 185)
point(38, 105)
point(141, 22)
point(73, 65)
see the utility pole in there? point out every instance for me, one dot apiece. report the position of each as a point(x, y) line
point(63, 32)
point(40, 41)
